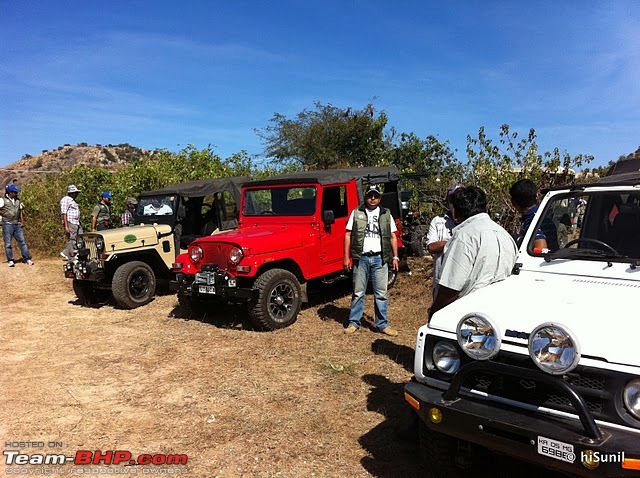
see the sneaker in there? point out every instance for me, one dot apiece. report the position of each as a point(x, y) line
point(11, 264)
point(389, 331)
point(351, 330)
point(64, 256)
point(29, 262)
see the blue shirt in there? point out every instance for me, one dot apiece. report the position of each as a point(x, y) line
point(547, 231)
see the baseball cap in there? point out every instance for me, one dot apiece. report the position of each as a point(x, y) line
point(132, 201)
point(73, 189)
point(12, 188)
point(107, 195)
point(373, 189)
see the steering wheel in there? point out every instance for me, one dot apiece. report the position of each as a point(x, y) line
point(267, 212)
point(594, 241)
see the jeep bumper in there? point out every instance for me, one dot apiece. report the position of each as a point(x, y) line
point(558, 443)
point(84, 270)
point(213, 284)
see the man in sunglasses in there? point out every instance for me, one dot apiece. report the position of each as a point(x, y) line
point(370, 247)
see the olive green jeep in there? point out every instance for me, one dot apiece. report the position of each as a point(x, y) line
point(131, 263)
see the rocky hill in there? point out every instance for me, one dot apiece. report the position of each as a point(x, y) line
point(66, 157)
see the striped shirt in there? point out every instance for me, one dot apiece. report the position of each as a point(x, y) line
point(127, 218)
point(70, 207)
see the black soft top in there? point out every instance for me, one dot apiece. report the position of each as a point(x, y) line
point(378, 175)
point(625, 171)
point(201, 187)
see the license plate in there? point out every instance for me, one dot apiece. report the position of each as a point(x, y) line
point(556, 449)
point(206, 289)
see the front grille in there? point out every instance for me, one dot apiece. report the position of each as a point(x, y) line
point(598, 388)
point(216, 253)
point(90, 243)
point(601, 389)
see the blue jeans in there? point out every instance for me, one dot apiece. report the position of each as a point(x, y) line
point(10, 231)
point(370, 267)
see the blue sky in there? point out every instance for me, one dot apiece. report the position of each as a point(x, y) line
point(166, 74)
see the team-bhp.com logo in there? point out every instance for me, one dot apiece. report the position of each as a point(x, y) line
point(97, 457)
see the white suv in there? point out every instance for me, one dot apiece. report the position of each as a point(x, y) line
point(545, 365)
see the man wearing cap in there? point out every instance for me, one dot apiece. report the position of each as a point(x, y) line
point(11, 210)
point(71, 220)
point(440, 230)
point(371, 243)
point(127, 216)
point(101, 215)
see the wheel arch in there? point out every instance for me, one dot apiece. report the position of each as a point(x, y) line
point(150, 257)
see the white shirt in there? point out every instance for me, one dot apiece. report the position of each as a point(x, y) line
point(479, 253)
point(440, 229)
point(372, 241)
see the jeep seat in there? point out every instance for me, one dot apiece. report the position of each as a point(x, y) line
point(625, 231)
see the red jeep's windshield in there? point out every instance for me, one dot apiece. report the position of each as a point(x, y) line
point(280, 201)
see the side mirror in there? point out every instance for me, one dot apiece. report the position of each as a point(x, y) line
point(328, 217)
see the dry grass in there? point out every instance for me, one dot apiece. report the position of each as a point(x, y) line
point(303, 401)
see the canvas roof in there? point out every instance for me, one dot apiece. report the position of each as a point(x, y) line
point(201, 187)
point(377, 175)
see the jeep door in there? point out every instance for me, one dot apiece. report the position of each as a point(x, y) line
point(334, 198)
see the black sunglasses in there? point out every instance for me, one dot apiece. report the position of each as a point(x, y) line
point(373, 195)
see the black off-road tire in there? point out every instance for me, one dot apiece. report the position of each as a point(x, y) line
point(439, 453)
point(133, 284)
point(85, 292)
point(419, 240)
point(191, 308)
point(278, 301)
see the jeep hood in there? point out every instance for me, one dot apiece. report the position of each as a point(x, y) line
point(131, 237)
point(262, 239)
point(599, 312)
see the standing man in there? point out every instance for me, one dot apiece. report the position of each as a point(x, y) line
point(12, 213)
point(71, 220)
point(479, 253)
point(440, 231)
point(371, 242)
point(101, 215)
point(127, 216)
point(524, 197)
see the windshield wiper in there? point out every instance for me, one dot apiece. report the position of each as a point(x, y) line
point(568, 253)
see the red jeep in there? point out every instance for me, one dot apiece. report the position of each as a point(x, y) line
point(291, 231)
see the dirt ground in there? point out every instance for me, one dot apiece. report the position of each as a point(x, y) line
point(303, 401)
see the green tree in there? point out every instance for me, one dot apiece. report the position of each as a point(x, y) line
point(428, 165)
point(495, 166)
point(327, 137)
point(41, 196)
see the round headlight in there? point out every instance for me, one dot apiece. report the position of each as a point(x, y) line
point(446, 357)
point(235, 255)
point(100, 243)
point(554, 349)
point(195, 253)
point(80, 243)
point(631, 397)
point(478, 337)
